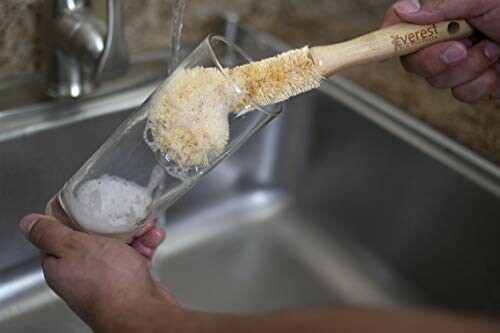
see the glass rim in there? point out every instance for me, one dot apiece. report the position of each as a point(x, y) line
point(256, 106)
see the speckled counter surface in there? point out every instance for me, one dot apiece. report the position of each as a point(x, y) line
point(298, 22)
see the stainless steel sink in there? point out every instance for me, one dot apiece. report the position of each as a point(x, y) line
point(341, 200)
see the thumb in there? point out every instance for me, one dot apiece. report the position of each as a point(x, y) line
point(433, 11)
point(47, 234)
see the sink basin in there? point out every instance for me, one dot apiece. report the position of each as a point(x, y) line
point(342, 199)
point(248, 239)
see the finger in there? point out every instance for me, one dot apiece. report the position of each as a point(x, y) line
point(483, 87)
point(153, 238)
point(144, 250)
point(497, 66)
point(436, 59)
point(390, 18)
point(468, 42)
point(147, 244)
point(479, 58)
point(150, 225)
point(433, 11)
point(45, 233)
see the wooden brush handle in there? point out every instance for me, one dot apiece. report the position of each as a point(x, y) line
point(397, 40)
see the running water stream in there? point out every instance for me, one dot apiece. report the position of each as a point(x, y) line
point(178, 14)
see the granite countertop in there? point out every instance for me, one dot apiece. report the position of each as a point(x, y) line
point(299, 22)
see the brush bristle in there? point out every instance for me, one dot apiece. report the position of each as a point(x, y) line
point(276, 79)
point(189, 116)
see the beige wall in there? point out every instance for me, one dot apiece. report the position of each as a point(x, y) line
point(297, 21)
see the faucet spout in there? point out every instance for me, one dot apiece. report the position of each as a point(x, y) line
point(114, 60)
point(80, 50)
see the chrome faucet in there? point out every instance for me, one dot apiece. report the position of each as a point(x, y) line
point(82, 50)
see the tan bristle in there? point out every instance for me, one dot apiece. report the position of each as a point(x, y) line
point(276, 79)
point(189, 116)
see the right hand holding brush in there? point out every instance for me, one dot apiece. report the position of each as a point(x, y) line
point(471, 67)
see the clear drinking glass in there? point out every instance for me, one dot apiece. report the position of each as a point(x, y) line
point(129, 181)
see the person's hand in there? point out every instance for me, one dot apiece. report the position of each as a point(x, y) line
point(101, 279)
point(471, 68)
point(108, 284)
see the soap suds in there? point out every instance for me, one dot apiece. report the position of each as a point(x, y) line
point(109, 205)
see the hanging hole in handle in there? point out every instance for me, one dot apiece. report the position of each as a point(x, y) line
point(453, 28)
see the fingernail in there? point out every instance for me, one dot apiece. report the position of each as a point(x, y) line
point(492, 50)
point(27, 223)
point(407, 6)
point(453, 55)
